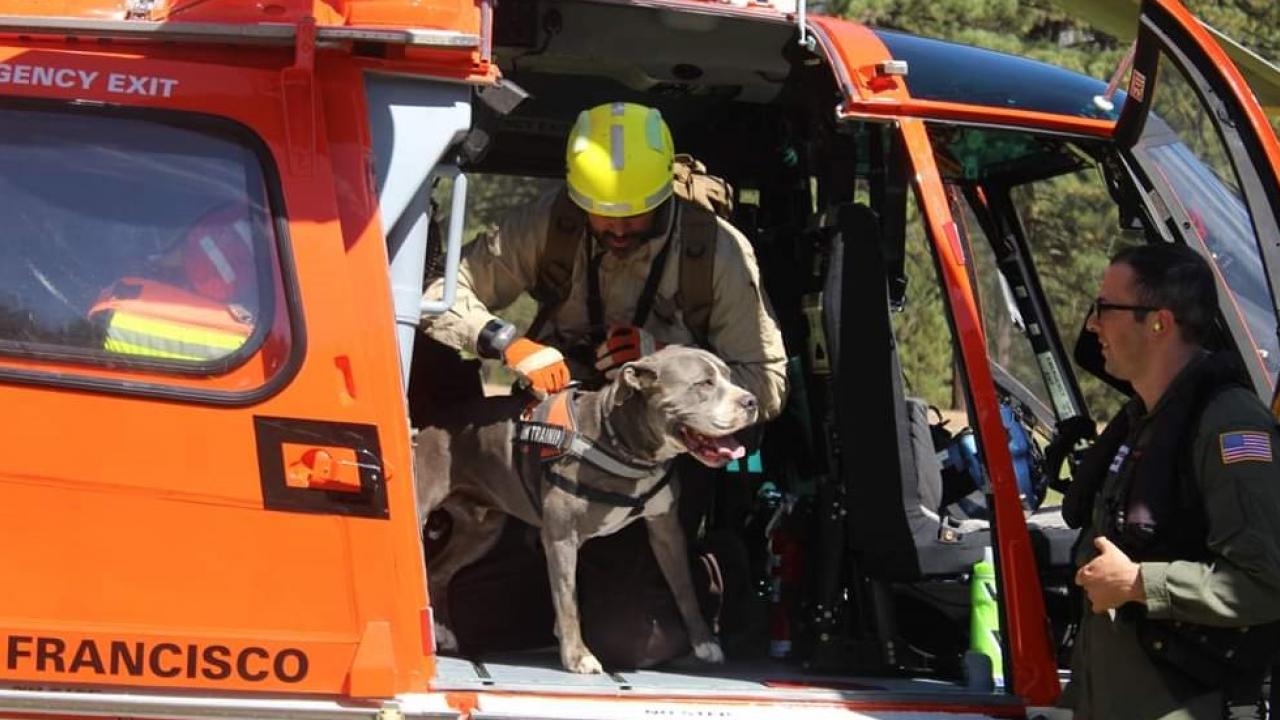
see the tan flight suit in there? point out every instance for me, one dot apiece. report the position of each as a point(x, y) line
point(1113, 677)
point(495, 270)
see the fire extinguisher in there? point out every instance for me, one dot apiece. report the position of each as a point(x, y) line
point(785, 572)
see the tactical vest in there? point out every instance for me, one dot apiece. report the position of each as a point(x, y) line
point(1157, 515)
point(1154, 519)
point(701, 197)
point(151, 319)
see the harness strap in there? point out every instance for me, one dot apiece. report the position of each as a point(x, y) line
point(697, 228)
point(595, 306)
point(698, 232)
point(553, 426)
point(645, 301)
point(562, 441)
point(606, 497)
point(548, 433)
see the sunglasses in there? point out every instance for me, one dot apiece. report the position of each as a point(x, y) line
point(1099, 305)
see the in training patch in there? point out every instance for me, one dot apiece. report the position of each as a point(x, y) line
point(1245, 446)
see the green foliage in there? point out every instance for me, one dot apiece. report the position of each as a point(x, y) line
point(489, 198)
point(1255, 23)
point(924, 337)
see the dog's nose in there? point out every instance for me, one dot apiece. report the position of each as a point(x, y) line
point(748, 402)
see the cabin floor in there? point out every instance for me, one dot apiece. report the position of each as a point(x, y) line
point(539, 671)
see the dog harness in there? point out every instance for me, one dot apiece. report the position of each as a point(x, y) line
point(547, 436)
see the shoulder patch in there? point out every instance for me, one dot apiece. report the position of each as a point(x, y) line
point(1245, 446)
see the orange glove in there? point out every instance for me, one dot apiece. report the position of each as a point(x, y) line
point(623, 344)
point(542, 366)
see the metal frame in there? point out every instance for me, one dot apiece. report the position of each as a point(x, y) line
point(188, 707)
point(249, 34)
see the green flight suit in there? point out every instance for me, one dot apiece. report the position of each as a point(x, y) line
point(1113, 678)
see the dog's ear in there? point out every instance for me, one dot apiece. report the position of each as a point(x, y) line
point(634, 377)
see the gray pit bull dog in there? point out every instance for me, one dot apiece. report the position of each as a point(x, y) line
point(675, 401)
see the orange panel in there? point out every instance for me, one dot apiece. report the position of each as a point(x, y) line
point(140, 548)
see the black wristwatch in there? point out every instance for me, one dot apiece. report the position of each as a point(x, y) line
point(494, 338)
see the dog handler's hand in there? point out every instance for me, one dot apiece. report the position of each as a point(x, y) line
point(541, 365)
point(623, 344)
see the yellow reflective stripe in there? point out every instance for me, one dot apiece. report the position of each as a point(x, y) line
point(119, 346)
point(618, 147)
point(178, 331)
point(138, 335)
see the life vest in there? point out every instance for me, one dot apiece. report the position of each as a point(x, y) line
point(147, 318)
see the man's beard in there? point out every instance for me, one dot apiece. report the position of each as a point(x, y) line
point(625, 243)
point(622, 243)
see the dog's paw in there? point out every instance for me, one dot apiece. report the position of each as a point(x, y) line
point(709, 652)
point(445, 639)
point(581, 662)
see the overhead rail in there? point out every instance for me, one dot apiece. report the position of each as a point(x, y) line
point(235, 33)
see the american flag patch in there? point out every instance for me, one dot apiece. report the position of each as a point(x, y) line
point(1245, 446)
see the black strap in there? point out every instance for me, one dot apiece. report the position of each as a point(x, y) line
point(607, 497)
point(645, 303)
point(595, 307)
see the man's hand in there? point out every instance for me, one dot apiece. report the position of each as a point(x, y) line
point(542, 366)
point(1111, 579)
point(623, 344)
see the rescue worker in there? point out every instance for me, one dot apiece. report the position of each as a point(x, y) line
point(623, 297)
point(1179, 555)
point(195, 302)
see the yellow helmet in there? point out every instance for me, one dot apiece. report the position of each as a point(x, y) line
point(619, 160)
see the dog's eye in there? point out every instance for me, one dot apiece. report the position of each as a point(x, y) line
point(705, 384)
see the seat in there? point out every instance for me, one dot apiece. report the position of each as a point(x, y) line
point(903, 551)
point(893, 496)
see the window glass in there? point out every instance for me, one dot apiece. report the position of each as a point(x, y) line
point(1186, 151)
point(1002, 323)
point(923, 335)
point(950, 72)
point(128, 240)
point(1072, 228)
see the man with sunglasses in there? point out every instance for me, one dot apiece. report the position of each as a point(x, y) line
point(1179, 499)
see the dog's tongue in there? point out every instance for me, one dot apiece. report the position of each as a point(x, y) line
point(728, 447)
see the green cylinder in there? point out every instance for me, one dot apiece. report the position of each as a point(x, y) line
point(984, 615)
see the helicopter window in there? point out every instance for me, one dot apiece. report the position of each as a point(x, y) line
point(1071, 227)
point(131, 241)
point(945, 72)
point(1002, 323)
point(1186, 150)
